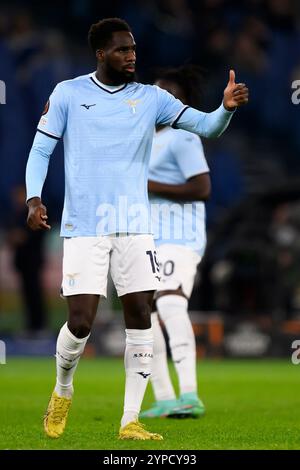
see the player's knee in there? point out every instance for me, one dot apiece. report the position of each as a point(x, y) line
point(79, 323)
point(79, 329)
point(171, 306)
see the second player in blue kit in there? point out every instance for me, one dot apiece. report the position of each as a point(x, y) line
point(179, 184)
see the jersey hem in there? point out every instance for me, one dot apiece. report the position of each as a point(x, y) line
point(122, 233)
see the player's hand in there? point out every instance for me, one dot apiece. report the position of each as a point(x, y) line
point(235, 94)
point(37, 215)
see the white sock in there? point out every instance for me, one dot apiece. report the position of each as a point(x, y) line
point(160, 377)
point(173, 310)
point(68, 352)
point(138, 364)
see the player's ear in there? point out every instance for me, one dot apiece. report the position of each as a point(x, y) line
point(100, 54)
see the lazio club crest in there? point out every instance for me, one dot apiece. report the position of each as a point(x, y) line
point(132, 104)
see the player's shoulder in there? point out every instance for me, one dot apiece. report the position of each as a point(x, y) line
point(183, 142)
point(68, 85)
point(181, 135)
point(145, 88)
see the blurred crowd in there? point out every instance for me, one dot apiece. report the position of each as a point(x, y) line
point(42, 43)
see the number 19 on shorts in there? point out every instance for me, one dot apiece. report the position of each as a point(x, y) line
point(153, 261)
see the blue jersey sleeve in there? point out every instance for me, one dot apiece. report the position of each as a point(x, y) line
point(171, 111)
point(204, 124)
point(54, 117)
point(168, 107)
point(188, 151)
point(37, 165)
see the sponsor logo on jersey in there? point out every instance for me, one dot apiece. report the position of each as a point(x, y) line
point(88, 106)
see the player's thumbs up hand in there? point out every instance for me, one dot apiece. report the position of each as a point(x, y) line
point(235, 94)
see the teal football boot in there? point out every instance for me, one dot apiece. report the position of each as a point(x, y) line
point(160, 409)
point(189, 406)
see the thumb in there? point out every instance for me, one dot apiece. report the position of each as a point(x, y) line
point(42, 210)
point(231, 77)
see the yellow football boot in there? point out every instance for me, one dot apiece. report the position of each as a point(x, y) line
point(136, 431)
point(56, 415)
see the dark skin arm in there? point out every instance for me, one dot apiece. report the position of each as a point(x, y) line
point(196, 188)
point(37, 215)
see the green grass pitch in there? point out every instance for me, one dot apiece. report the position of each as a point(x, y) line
point(250, 405)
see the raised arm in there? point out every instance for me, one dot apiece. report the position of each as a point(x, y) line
point(215, 123)
point(173, 112)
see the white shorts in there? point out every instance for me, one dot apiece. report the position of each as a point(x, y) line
point(130, 258)
point(178, 267)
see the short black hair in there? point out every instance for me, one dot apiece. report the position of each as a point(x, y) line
point(189, 77)
point(100, 33)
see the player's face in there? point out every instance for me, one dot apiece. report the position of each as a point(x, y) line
point(118, 58)
point(173, 88)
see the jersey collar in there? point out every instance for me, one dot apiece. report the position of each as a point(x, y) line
point(108, 88)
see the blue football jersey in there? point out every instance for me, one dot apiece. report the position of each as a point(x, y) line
point(176, 156)
point(107, 135)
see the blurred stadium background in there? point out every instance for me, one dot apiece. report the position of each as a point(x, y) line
point(246, 301)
